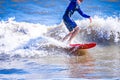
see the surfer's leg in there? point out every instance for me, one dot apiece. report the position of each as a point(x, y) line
point(68, 35)
point(73, 29)
point(74, 33)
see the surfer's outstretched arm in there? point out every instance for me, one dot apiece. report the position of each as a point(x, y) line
point(83, 14)
point(90, 20)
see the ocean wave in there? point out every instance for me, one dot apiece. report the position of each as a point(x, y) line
point(14, 34)
point(24, 39)
point(35, 40)
point(101, 30)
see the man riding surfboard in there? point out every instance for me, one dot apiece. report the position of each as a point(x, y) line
point(70, 24)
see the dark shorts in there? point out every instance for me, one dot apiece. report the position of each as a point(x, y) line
point(70, 24)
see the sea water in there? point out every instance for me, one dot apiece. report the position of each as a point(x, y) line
point(30, 41)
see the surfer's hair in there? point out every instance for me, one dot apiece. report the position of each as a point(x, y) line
point(81, 0)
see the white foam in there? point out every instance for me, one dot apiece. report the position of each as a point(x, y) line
point(104, 27)
point(13, 34)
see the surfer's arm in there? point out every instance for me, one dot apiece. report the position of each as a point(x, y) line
point(90, 20)
point(81, 13)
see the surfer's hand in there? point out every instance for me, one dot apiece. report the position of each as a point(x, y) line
point(90, 20)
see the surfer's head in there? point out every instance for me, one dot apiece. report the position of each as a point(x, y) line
point(79, 1)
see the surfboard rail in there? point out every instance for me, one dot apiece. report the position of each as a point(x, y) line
point(83, 46)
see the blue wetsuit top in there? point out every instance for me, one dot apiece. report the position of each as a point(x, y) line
point(73, 6)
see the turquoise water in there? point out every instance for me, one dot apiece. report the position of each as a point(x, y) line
point(31, 47)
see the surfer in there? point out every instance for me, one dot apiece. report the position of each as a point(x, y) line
point(70, 24)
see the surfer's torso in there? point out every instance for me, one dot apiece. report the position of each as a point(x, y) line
point(73, 6)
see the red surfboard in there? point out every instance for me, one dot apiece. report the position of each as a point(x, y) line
point(82, 46)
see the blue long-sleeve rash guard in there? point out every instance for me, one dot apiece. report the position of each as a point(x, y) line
point(73, 6)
